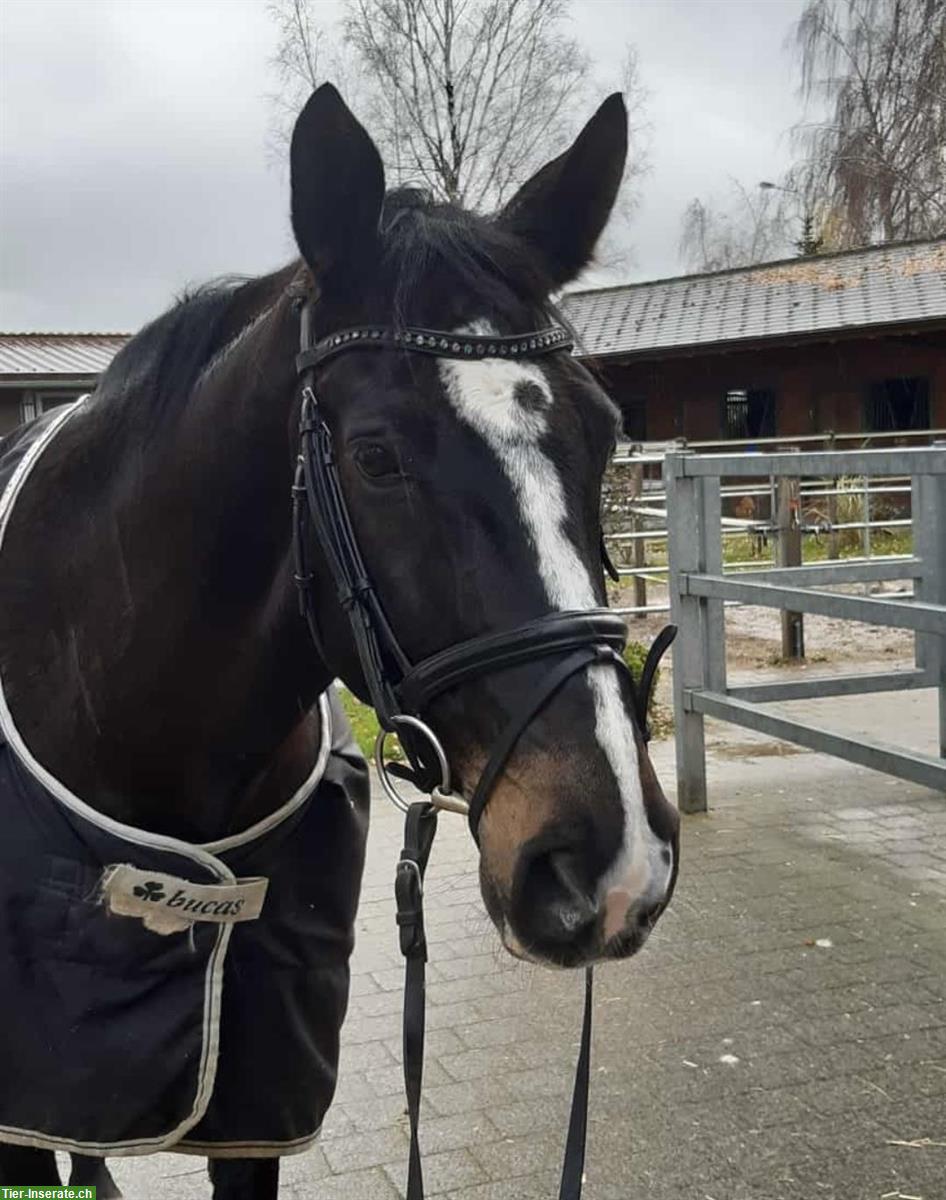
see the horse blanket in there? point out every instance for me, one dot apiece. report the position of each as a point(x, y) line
point(159, 995)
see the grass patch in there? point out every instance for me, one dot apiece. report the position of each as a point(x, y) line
point(744, 548)
point(365, 726)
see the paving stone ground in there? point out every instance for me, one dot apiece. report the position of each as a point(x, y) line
point(783, 1034)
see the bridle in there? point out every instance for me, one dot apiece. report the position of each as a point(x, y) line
point(401, 691)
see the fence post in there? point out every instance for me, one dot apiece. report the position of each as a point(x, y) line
point(684, 540)
point(788, 554)
point(834, 544)
point(866, 538)
point(929, 521)
point(637, 555)
point(711, 561)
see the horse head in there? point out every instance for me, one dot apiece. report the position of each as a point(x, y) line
point(473, 489)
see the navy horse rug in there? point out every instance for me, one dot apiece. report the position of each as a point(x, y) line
point(159, 995)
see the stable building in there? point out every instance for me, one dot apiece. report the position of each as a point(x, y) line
point(845, 343)
point(40, 371)
point(853, 342)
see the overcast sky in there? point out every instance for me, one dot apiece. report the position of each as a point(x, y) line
point(134, 140)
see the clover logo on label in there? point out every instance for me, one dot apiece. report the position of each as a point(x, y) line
point(150, 890)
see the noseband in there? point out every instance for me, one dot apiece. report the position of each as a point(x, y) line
point(401, 691)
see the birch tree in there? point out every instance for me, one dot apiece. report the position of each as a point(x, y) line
point(874, 151)
point(749, 226)
point(468, 95)
point(295, 63)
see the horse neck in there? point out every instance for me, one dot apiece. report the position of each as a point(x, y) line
point(183, 677)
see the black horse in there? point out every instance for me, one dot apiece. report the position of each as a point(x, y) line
point(153, 660)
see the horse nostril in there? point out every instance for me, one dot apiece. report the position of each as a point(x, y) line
point(552, 905)
point(647, 915)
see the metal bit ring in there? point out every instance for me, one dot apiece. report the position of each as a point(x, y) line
point(441, 796)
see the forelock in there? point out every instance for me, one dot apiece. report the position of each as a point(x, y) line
point(444, 265)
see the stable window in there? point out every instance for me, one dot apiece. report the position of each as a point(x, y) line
point(34, 404)
point(896, 404)
point(749, 413)
point(634, 418)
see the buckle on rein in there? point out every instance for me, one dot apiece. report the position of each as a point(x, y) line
point(441, 796)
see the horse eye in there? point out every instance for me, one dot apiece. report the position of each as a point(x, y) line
point(375, 461)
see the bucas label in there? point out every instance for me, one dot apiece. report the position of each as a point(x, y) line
point(167, 904)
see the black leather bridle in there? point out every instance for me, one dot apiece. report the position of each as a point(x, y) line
point(401, 691)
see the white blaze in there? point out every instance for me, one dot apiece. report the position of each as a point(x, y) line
point(483, 394)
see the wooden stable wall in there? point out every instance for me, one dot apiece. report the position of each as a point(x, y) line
point(818, 386)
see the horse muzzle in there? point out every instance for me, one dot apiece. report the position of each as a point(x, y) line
point(558, 914)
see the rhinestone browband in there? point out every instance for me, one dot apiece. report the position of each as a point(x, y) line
point(437, 343)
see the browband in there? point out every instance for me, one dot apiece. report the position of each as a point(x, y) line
point(436, 343)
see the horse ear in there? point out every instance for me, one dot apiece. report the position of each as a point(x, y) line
point(564, 207)
point(337, 186)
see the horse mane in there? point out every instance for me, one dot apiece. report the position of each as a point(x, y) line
point(159, 367)
point(435, 257)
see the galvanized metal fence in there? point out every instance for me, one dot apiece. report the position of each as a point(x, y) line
point(699, 589)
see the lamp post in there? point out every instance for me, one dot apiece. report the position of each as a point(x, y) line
point(808, 244)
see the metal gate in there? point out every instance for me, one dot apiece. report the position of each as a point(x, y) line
point(699, 589)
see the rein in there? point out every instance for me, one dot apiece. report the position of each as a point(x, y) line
point(401, 691)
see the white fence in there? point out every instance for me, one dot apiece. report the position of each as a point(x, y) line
point(783, 516)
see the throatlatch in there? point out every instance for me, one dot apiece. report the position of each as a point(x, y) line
point(401, 691)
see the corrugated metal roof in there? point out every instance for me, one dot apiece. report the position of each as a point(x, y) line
point(880, 286)
point(76, 355)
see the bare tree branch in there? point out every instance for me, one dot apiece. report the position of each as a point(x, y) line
point(875, 155)
point(484, 85)
point(750, 226)
point(305, 56)
point(873, 149)
point(463, 97)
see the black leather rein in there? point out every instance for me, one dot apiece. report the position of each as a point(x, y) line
point(402, 691)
